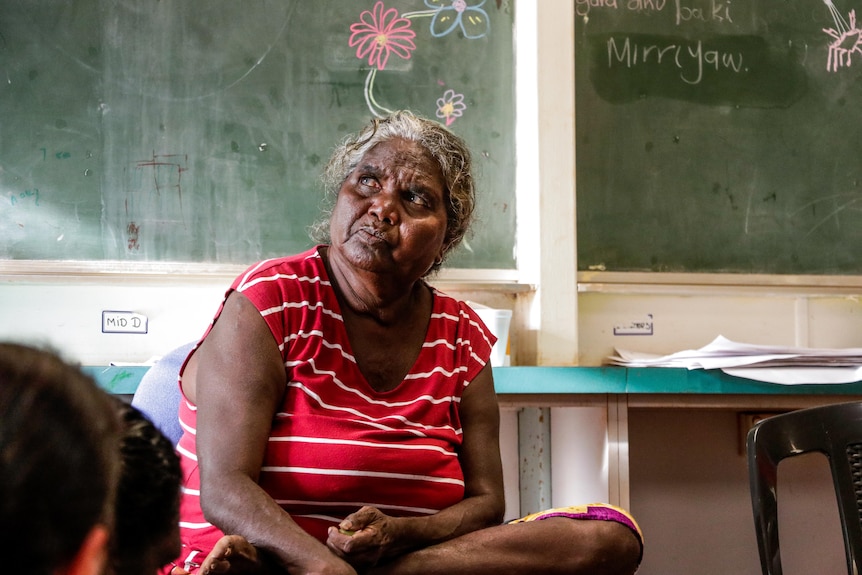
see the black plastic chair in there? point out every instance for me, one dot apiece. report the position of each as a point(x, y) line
point(834, 430)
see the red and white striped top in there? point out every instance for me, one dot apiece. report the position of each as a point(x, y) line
point(336, 444)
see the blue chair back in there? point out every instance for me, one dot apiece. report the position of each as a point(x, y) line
point(158, 395)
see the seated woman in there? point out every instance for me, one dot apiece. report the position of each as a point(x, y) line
point(340, 414)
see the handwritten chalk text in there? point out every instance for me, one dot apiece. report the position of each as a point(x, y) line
point(646, 5)
point(683, 11)
point(692, 60)
point(31, 196)
point(715, 11)
point(583, 7)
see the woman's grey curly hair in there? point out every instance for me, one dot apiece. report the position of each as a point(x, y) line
point(449, 150)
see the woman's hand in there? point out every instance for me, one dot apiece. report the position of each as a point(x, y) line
point(363, 537)
point(233, 555)
point(369, 536)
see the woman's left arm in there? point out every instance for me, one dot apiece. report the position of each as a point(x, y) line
point(369, 535)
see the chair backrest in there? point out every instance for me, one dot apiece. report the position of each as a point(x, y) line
point(834, 430)
point(158, 394)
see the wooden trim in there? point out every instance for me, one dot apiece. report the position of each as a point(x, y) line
point(706, 284)
point(70, 271)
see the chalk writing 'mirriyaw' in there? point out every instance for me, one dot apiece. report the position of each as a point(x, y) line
point(691, 59)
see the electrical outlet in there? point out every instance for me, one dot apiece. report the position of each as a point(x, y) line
point(123, 322)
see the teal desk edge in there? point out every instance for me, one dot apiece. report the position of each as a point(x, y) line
point(124, 380)
point(715, 381)
point(531, 379)
point(115, 379)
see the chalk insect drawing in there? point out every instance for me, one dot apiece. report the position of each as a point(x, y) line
point(381, 33)
point(846, 39)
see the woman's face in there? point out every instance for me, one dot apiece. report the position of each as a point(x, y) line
point(390, 215)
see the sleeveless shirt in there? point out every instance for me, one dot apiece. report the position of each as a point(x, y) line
point(336, 444)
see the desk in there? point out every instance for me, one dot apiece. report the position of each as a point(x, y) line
point(550, 382)
point(616, 391)
point(535, 391)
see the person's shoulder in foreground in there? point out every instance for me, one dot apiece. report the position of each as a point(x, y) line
point(59, 436)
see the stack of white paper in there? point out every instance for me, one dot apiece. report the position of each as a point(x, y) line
point(775, 364)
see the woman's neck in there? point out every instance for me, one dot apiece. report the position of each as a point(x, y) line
point(375, 295)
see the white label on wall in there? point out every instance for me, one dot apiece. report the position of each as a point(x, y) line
point(639, 327)
point(123, 322)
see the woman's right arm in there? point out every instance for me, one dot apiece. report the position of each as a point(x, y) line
point(237, 380)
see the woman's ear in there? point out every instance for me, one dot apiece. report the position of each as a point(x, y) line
point(441, 254)
point(91, 557)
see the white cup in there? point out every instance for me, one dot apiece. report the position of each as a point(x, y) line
point(498, 321)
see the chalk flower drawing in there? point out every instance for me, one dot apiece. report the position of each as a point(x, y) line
point(450, 106)
point(382, 32)
point(449, 15)
point(846, 39)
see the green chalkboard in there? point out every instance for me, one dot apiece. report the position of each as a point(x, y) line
point(196, 130)
point(719, 136)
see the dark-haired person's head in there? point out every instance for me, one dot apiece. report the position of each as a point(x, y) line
point(59, 436)
point(146, 533)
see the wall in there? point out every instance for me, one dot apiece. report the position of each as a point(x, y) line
point(689, 317)
point(65, 312)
